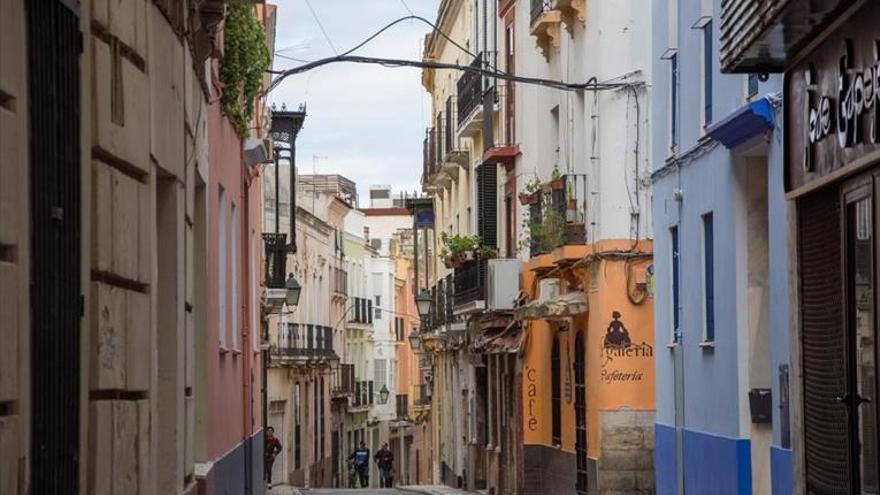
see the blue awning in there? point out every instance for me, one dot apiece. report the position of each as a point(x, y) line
point(745, 123)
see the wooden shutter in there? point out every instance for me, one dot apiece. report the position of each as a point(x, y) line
point(827, 447)
point(487, 203)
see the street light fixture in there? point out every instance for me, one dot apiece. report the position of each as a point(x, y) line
point(293, 291)
point(414, 341)
point(383, 395)
point(423, 304)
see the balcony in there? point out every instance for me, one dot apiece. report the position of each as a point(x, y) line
point(300, 343)
point(470, 88)
point(766, 35)
point(276, 260)
point(557, 214)
point(360, 312)
point(343, 383)
point(572, 12)
point(545, 25)
point(469, 284)
point(432, 179)
point(339, 283)
point(442, 305)
point(363, 396)
point(402, 406)
point(421, 396)
point(451, 154)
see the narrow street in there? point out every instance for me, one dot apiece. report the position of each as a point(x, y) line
point(514, 247)
point(415, 490)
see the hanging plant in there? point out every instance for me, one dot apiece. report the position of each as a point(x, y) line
point(245, 60)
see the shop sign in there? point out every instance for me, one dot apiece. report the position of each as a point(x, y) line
point(620, 355)
point(832, 103)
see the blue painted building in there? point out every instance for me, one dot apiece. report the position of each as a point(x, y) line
point(721, 286)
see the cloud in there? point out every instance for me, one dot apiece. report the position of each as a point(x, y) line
point(364, 122)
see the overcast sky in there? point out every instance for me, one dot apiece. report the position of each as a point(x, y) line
point(365, 122)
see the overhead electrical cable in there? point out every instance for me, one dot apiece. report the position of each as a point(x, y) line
point(321, 26)
point(591, 85)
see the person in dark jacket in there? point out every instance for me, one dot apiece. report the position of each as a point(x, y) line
point(385, 461)
point(271, 447)
point(361, 459)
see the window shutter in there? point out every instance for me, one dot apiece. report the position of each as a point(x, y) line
point(826, 424)
point(487, 203)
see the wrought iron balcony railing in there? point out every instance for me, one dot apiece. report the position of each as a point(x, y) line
point(363, 394)
point(567, 212)
point(470, 90)
point(402, 408)
point(343, 381)
point(442, 303)
point(276, 260)
point(361, 311)
point(470, 282)
point(303, 341)
point(538, 7)
point(422, 394)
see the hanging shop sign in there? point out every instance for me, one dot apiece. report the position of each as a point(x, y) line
point(832, 104)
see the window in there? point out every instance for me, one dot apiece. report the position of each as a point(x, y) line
point(708, 56)
point(221, 266)
point(380, 370)
point(378, 309)
point(556, 384)
point(708, 278)
point(676, 334)
point(752, 85)
point(234, 272)
point(673, 104)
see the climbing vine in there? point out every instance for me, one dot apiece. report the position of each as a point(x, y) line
point(245, 60)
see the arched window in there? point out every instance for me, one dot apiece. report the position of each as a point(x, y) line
point(555, 374)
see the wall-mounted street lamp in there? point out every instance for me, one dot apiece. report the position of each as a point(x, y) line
point(414, 341)
point(423, 304)
point(293, 291)
point(383, 395)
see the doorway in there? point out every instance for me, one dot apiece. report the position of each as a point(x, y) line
point(838, 338)
point(56, 301)
point(861, 349)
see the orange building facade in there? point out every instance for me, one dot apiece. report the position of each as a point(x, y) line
point(586, 370)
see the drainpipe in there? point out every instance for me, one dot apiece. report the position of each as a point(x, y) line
point(245, 333)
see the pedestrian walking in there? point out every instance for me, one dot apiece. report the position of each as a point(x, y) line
point(361, 459)
point(385, 461)
point(272, 447)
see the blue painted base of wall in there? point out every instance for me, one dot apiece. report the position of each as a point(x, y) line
point(664, 459)
point(781, 480)
point(714, 464)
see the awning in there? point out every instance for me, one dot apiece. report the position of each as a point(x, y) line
point(743, 124)
point(496, 335)
point(563, 306)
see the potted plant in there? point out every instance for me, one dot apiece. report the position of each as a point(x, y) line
point(557, 181)
point(530, 196)
point(458, 248)
point(485, 253)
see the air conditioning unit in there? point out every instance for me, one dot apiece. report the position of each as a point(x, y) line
point(503, 283)
point(548, 289)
